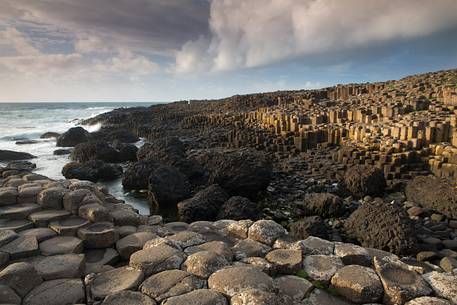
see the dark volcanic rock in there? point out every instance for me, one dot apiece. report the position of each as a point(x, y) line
point(309, 226)
point(363, 180)
point(61, 152)
point(204, 205)
point(238, 208)
point(137, 174)
point(167, 186)
point(9, 155)
point(25, 142)
point(109, 134)
point(93, 170)
point(127, 152)
point(240, 172)
point(73, 137)
point(95, 151)
point(382, 226)
point(50, 135)
point(325, 205)
point(21, 166)
point(171, 151)
point(433, 193)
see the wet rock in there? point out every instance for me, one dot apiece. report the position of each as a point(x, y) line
point(266, 231)
point(232, 280)
point(167, 187)
point(21, 166)
point(93, 170)
point(21, 277)
point(198, 297)
point(50, 135)
point(309, 226)
point(238, 208)
point(111, 134)
point(114, 281)
point(73, 137)
point(322, 267)
point(62, 152)
point(443, 284)
point(170, 283)
point(363, 180)
point(157, 259)
point(204, 263)
point(56, 292)
point(204, 205)
point(358, 284)
point(382, 226)
point(9, 155)
point(325, 205)
point(434, 193)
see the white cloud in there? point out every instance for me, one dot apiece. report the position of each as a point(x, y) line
point(251, 33)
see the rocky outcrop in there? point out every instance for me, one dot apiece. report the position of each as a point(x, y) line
point(434, 193)
point(104, 151)
point(325, 205)
point(167, 187)
point(93, 170)
point(364, 180)
point(204, 205)
point(136, 176)
point(73, 137)
point(109, 134)
point(238, 208)
point(239, 172)
point(9, 155)
point(382, 226)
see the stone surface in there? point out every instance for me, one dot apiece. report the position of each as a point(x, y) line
point(56, 292)
point(170, 283)
point(132, 243)
point(21, 277)
point(128, 298)
point(285, 261)
point(23, 246)
point(8, 296)
point(157, 259)
point(60, 266)
point(204, 263)
point(266, 231)
point(61, 245)
point(428, 301)
point(7, 236)
point(322, 267)
point(116, 280)
point(232, 280)
point(443, 284)
point(295, 287)
point(256, 296)
point(249, 248)
point(41, 234)
point(98, 235)
point(198, 297)
point(358, 284)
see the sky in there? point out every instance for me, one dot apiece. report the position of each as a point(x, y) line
point(167, 50)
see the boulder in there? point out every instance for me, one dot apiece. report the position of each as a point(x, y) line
point(204, 205)
point(110, 134)
point(73, 137)
point(98, 235)
point(136, 175)
point(21, 166)
point(93, 170)
point(383, 226)
point(309, 226)
point(51, 198)
point(60, 266)
point(61, 245)
point(9, 155)
point(131, 243)
point(285, 261)
point(364, 180)
point(322, 267)
point(167, 187)
point(249, 248)
point(325, 205)
point(443, 284)
point(204, 263)
point(95, 151)
point(240, 172)
point(257, 297)
point(238, 208)
point(9, 296)
point(127, 152)
point(157, 259)
point(433, 193)
point(50, 135)
point(293, 286)
point(62, 152)
point(266, 231)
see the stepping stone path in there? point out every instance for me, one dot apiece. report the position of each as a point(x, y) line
point(71, 242)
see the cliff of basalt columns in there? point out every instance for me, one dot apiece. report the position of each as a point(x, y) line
point(342, 195)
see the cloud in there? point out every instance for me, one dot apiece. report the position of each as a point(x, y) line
point(252, 33)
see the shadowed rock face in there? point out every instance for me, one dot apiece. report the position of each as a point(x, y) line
point(433, 193)
point(9, 155)
point(363, 180)
point(382, 226)
point(93, 170)
point(73, 137)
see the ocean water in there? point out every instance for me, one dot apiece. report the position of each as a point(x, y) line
point(28, 121)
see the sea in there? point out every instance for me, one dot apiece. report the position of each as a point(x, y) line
point(28, 121)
